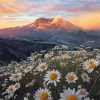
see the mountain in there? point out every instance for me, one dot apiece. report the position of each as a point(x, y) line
point(55, 30)
point(53, 24)
point(94, 32)
point(19, 42)
point(41, 24)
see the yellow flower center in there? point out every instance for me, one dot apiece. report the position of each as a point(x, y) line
point(19, 68)
point(53, 76)
point(28, 68)
point(23, 74)
point(15, 76)
point(70, 77)
point(82, 92)
point(42, 66)
point(91, 64)
point(71, 97)
point(17, 85)
point(44, 96)
point(85, 77)
point(11, 89)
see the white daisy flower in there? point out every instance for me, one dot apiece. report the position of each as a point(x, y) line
point(69, 94)
point(18, 69)
point(82, 92)
point(64, 46)
point(49, 54)
point(91, 64)
point(25, 98)
point(52, 77)
point(43, 94)
point(85, 77)
point(88, 98)
point(17, 86)
point(11, 89)
point(56, 47)
point(16, 76)
point(98, 56)
point(56, 58)
point(28, 69)
point(71, 77)
point(79, 86)
point(63, 55)
point(42, 66)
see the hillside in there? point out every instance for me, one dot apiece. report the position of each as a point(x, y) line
point(15, 50)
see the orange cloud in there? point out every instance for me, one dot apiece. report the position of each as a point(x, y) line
point(6, 7)
point(12, 23)
point(88, 21)
point(12, 6)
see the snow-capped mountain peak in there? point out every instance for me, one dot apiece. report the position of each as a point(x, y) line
point(53, 24)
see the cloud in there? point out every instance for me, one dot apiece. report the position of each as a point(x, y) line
point(10, 7)
point(14, 6)
point(28, 10)
point(89, 21)
point(6, 8)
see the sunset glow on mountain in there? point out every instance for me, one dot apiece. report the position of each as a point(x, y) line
point(83, 13)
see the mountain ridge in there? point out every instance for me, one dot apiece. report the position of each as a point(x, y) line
point(49, 30)
point(19, 42)
point(47, 21)
point(52, 24)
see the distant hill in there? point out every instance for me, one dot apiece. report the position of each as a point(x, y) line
point(15, 50)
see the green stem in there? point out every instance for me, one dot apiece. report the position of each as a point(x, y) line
point(97, 94)
point(94, 83)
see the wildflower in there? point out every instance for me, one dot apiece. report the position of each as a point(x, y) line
point(91, 64)
point(16, 77)
point(49, 54)
point(18, 69)
point(11, 89)
point(71, 77)
point(43, 94)
point(28, 69)
point(82, 92)
point(52, 77)
point(85, 77)
point(17, 86)
point(69, 94)
point(42, 67)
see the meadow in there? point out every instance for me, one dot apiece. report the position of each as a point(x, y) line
point(56, 74)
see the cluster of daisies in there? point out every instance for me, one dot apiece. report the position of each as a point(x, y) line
point(58, 74)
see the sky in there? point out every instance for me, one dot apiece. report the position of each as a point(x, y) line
point(83, 13)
